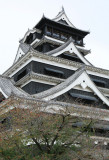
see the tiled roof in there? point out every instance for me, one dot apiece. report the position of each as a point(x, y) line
point(61, 86)
point(8, 87)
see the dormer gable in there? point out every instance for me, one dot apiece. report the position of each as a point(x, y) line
point(62, 18)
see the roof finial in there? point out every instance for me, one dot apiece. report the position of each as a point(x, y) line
point(43, 15)
point(63, 9)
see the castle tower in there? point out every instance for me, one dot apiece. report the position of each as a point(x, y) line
point(51, 67)
point(49, 55)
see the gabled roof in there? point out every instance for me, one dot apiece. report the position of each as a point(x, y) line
point(63, 17)
point(57, 42)
point(29, 32)
point(71, 48)
point(25, 48)
point(45, 20)
point(22, 50)
point(7, 88)
point(64, 63)
point(80, 77)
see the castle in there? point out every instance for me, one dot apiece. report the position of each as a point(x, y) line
point(50, 66)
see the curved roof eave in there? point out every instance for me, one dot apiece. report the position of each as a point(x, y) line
point(52, 21)
point(68, 46)
point(60, 86)
point(80, 77)
point(28, 33)
point(8, 88)
point(58, 42)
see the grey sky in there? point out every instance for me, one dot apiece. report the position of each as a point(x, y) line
point(16, 16)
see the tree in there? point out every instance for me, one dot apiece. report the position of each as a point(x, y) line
point(37, 133)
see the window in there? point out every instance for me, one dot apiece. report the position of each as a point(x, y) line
point(70, 57)
point(49, 31)
point(83, 97)
point(99, 83)
point(56, 34)
point(53, 72)
point(64, 36)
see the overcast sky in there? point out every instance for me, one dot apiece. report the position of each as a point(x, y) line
point(16, 16)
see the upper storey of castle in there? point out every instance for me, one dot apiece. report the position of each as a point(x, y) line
point(49, 34)
point(61, 28)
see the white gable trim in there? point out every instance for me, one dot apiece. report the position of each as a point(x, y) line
point(84, 50)
point(20, 53)
point(72, 49)
point(62, 15)
point(85, 82)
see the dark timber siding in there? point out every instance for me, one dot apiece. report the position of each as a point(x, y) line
point(38, 67)
point(35, 87)
point(82, 97)
point(28, 68)
point(41, 68)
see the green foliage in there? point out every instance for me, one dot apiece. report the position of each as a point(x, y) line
point(53, 136)
point(32, 153)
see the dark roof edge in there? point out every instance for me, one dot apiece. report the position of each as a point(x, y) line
point(88, 32)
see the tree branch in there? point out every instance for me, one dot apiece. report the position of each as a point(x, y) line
point(36, 142)
point(46, 140)
point(85, 129)
point(38, 145)
point(59, 129)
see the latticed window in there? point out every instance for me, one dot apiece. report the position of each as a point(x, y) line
point(99, 82)
point(64, 36)
point(49, 31)
point(53, 72)
point(56, 34)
